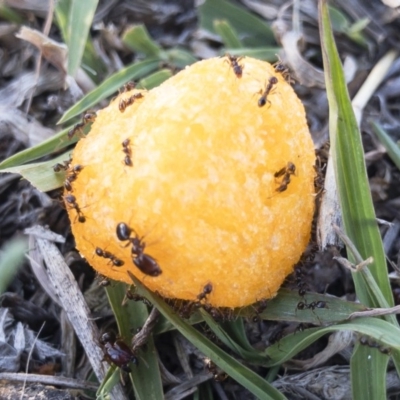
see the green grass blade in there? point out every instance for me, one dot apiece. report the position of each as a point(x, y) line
point(41, 175)
point(79, 22)
point(110, 86)
point(145, 376)
point(351, 177)
point(228, 35)
point(283, 307)
point(246, 353)
point(391, 147)
point(11, 257)
point(155, 79)
point(137, 38)
point(252, 31)
point(361, 365)
point(180, 58)
point(52, 144)
point(382, 331)
point(243, 375)
point(61, 12)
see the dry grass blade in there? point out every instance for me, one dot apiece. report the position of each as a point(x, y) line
point(75, 306)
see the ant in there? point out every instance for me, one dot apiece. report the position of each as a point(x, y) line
point(71, 200)
point(123, 103)
point(64, 166)
point(89, 116)
point(128, 87)
point(106, 254)
point(282, 69)
point(301, 305)
point(72, 176)
point(237, 68)
point(127, 150)
point(117, 352)
point(262, 101)
point(147, 264)
point(206, 291)
point(287, 171)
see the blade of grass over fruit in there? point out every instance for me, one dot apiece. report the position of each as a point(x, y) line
point(110, 86)
point(79, 22)
point(391, 147)
point(145, 376)
point(180, 58)
point(228, 35)
point(41, 175)
point(253, 30)
point(348, 158)
point(290, 345)
point(262, 53)
point(248, 354)
point(250, 380)
point(137, 38)
point(367, 361)
point(155, 79)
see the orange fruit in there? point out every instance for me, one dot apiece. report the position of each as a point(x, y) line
point(217, 192)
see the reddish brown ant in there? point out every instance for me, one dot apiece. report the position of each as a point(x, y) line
point(262, 101)
point(71, 200)
point(128, 87)
point(287, 171)
point(117, 352)
point(89, 116)
point(106, 254)
point(123, 103)
point(147, 264)
point(237, 68)
point(128, 153)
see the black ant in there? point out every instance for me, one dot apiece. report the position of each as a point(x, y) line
point(71, 200)
point(64, 166)
point(123, 103)
point(301, 305)
point(237, 68)
point(262, 101)
point(282, 69)
point(106, 254)
point(117, 352)
point(206, 291)
point(128, 153)
point(147, 264)
point(287, 171)
point(89, 116)
point(72, 176)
